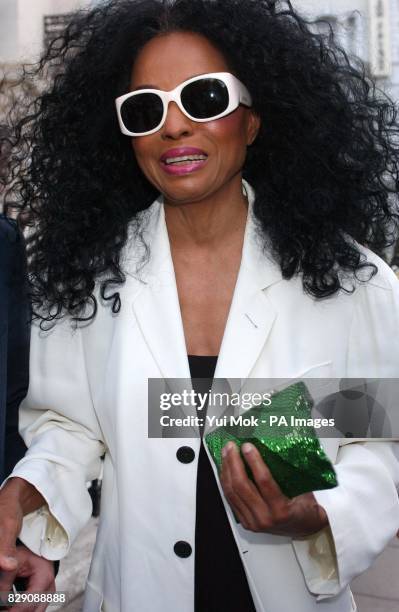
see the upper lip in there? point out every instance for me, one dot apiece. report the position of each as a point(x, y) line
point(182, 152)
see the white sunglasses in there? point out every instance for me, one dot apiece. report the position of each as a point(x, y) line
point(202, 98)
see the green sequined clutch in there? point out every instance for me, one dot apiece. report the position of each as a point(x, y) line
point(289, 446)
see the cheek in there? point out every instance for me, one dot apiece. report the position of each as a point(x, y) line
point(142, 150)
point(230, 130)
point(139, 148)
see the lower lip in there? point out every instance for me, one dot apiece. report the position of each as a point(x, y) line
point(179, 169)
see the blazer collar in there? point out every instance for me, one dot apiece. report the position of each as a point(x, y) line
point(156, 303)
point(256, 259)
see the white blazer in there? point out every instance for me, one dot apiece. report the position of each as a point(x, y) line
point(88, 395)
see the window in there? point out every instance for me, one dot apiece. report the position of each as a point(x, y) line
point(345, 30)
point(326, 25)
point(54, 26)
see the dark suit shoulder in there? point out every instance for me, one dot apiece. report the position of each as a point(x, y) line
point(12, 254)
point(8, 230)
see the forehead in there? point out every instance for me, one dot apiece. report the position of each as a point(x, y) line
point(167, 60)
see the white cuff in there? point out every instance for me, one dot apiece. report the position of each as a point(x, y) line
point(51, 530)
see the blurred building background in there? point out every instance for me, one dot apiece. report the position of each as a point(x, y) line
point(26, 28)
point(368, 29)
point(28, 25)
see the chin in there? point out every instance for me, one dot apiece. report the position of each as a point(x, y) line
point(182, 198)
point(185, 193)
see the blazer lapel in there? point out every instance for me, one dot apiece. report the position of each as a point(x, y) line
point(252, 314)
point(157, 310)
point(156, 306)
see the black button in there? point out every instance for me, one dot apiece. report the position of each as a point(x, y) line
point(185, 454)
point(182, 549)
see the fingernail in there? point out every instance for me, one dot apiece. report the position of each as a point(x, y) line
point(226, 449)
point(247, 448)
point(11, 561)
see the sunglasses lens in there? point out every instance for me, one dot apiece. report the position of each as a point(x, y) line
point(142, 112)
point(205, 98)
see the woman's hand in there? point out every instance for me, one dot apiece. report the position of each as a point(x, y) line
point(262, 507)
point(39, 574)
point(17, 498)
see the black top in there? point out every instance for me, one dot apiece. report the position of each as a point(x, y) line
point(220, 580)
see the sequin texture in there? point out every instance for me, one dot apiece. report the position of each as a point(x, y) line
point(292, 452)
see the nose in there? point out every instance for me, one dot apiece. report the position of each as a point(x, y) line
point(177, 124)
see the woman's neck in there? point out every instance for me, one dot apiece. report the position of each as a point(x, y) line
point(208, 222)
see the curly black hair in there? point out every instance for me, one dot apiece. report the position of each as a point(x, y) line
point(324, 165)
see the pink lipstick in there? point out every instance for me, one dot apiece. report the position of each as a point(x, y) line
point(183, 160)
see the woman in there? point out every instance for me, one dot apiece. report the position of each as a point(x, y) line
point(261, 279)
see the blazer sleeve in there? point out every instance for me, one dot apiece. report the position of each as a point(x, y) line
point(363, 511)
point(65, 443)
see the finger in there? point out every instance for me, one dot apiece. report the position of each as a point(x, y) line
point(265, 483)
point(38, 570)
point(6, 581)
point(307, 515)
point(38, 583)
point(241, 490)
point(8, 563)
point(9, 531)
point(235, 502)
point(8, 557)
point(40, 575)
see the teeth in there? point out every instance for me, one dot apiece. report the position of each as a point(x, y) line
point(185, 158)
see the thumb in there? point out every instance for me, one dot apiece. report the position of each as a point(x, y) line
point(8, 563)
point(8, 553)
point(8, 557)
